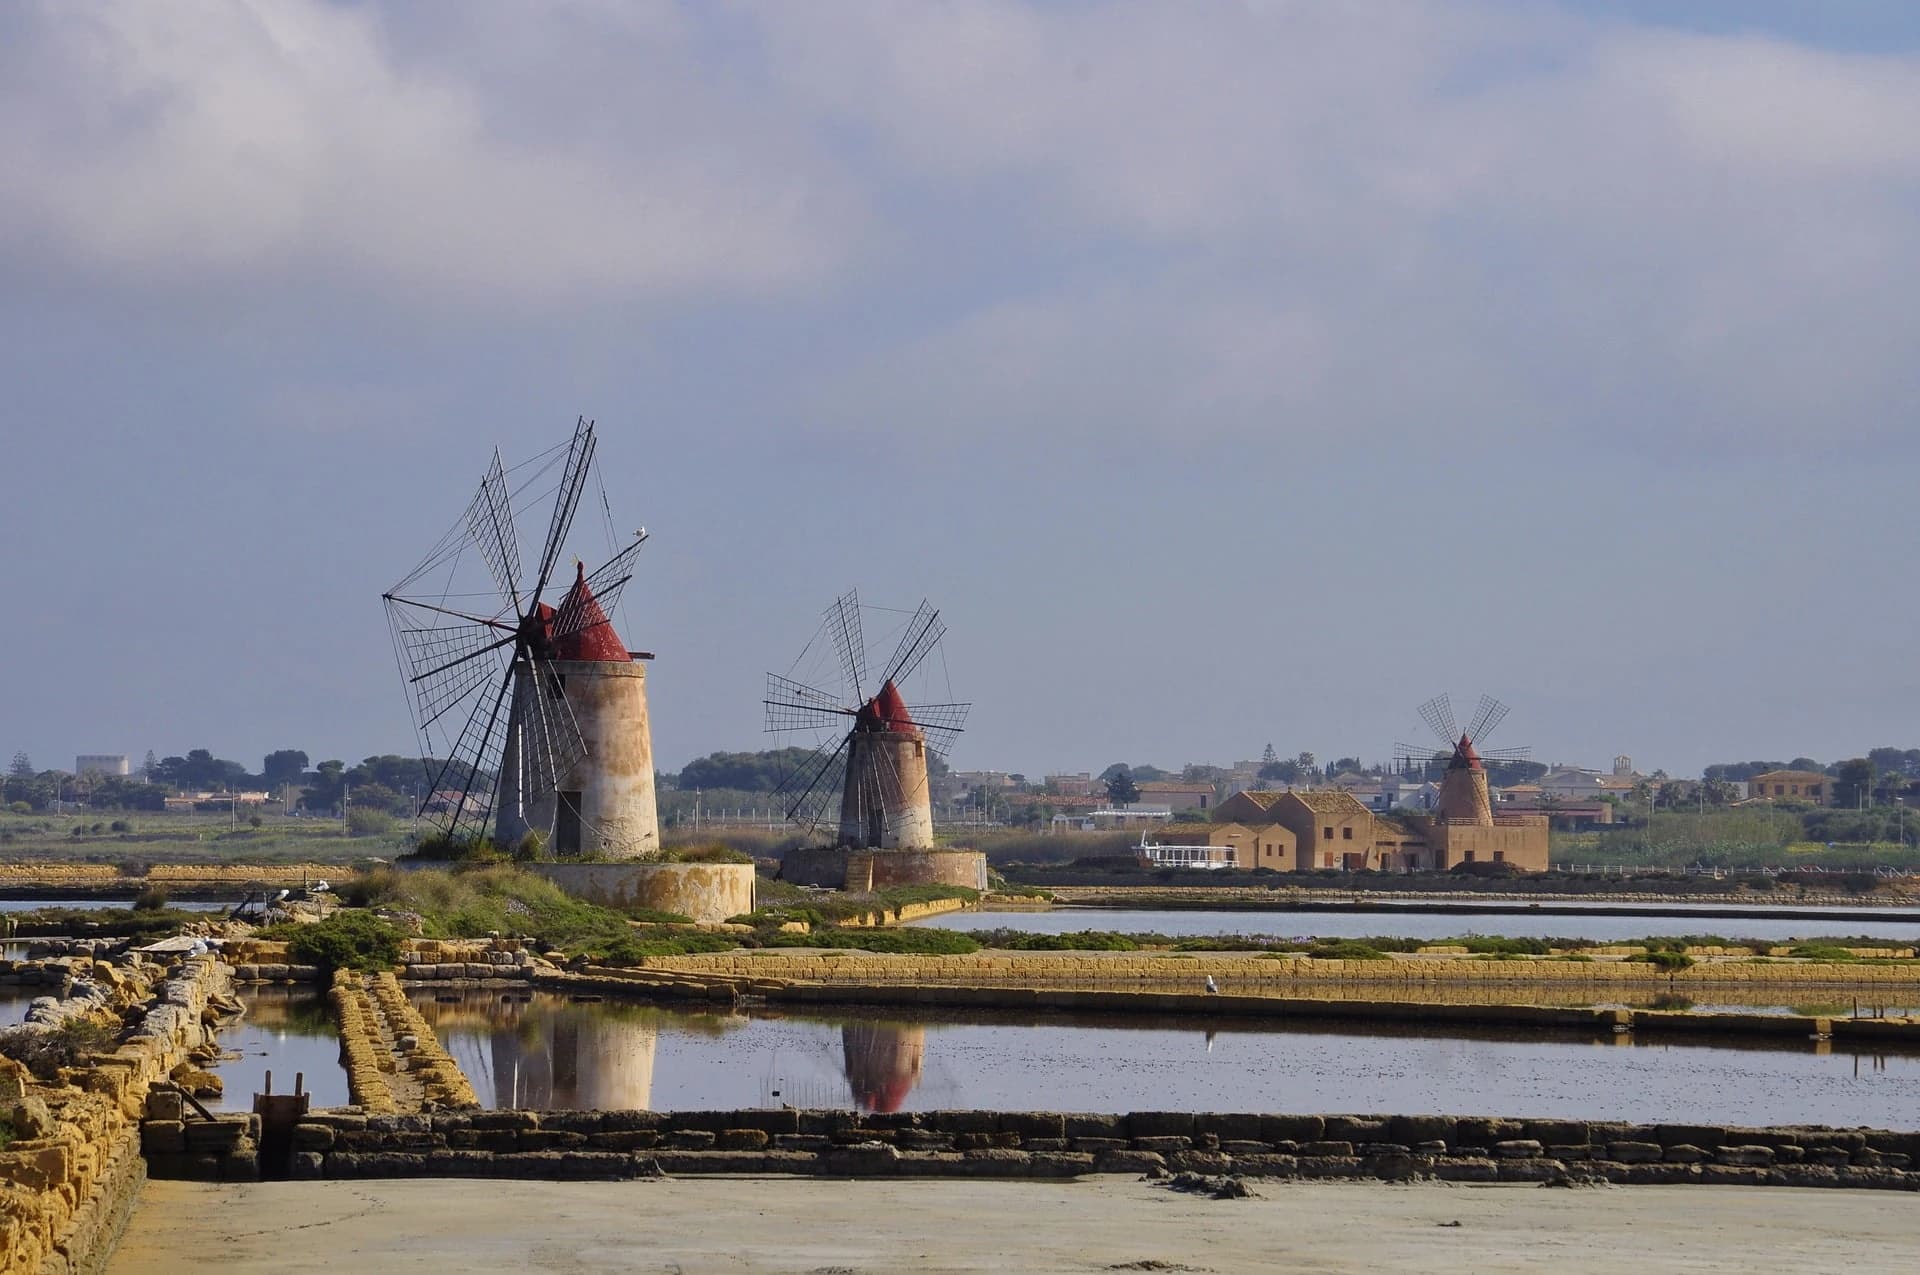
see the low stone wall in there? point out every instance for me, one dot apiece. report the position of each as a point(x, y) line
point(705, 892)
point(1027, 1144)
point(69, 1177)
point(179, 878)
point(884, 869)
point(441, 1081)
point(1040, 969)
point(863, 870)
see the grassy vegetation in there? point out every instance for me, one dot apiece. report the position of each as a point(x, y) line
point(915, 942)
point(128, 922)
point(781, 902)
point(349, 939)
point(475, 902)
point(44, 1053)
point(136, 839)
point(1743, 837)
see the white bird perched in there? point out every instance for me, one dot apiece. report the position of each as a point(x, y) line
point(283, 896)
point(319, 887)
point(1213, 988)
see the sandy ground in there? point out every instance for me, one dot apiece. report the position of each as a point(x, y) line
point(811, 1227)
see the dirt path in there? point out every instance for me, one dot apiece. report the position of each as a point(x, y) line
point(930, 1227)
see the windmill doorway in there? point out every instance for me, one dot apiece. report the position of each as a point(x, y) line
point(566, 825)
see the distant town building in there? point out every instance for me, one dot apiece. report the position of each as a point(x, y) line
point(100, 764)
point(1074, 785)
point(1177, 794)
point(1791, 785)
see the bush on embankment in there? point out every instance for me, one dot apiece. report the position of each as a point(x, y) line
point(471, 903)
point(908, 942)
point(347, 940)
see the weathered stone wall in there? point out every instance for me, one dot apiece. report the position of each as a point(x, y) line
point(617, 1144)
point(69, 1178)
point(106, 878)
point(815, 865)
point(706, 892)
point(884, 869)
point(1040, 969)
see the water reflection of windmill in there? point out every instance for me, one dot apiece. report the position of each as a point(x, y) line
point(545, 1057)
point(866, 776)
point(1460, 762)
point(533, 716)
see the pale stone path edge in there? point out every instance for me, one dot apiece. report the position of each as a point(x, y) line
point(753, 1225)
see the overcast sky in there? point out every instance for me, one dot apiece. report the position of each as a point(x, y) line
point(1227, 373)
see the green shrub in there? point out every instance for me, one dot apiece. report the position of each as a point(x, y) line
point(44, 1053)
point(715, 853)
point(915, 942)
point(362, 822)
point(150, 899)
point(349, 939)
point(1082, 941)
point(1667, 959)
point(1346, 950)
point(1830, 953)
point(121, 825)
point(20, 808)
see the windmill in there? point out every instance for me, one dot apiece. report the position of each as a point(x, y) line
point(1463, 787)
point(866, 775)
point(532, 717)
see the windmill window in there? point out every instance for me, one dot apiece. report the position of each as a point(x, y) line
point(1326, 834)
point(1346, 834)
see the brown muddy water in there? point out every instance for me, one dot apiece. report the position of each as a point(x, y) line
point(543, 1050)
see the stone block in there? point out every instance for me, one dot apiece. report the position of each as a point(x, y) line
point(1094, 1126)
point(633, 1121)
point(1326, 1147)
point(1517, 1149)
point(240, 1166)
point(494, 1141)
point(1032, 1124)
point(1160, 1124)
point(1413, 1130)
point(960, 1121)
point(573, 1121)
point(863, 1159)
point(1162, 1144)
point(689, 1140)
point(1329, 1166)
point(1230, 1126)
point(165, 1104)
point(628, 1140)
point(812, 1142)
point(1356, 1129)
point(214, 1135)
point(1269, 1166)
point(1634, 1152)
point(1239, 1146)
point(1039, 1146)
point(1119, 1161)
point(563, 1139)
point(1481, 1131)
point(313, 1137)
point(163, 1137)
point(929, 1140)
point(1564, 1132)
point(1686, 1154)
point(1466, 1170)
point(306, 1166)
point(1569, 1151)
point(1060, 1164)
point(1285, 1128)
point(1692, 1135)
point(522, 1119)
point(1748, 1156)
point(743, 1140)
point(1199, 1162)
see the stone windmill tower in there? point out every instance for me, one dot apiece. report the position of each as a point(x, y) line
point(866, 776)
point(532, 717)
point(1464, 798)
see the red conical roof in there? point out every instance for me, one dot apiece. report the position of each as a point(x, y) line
point(591, 635)
point(891, 709)
point(1464, 757)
